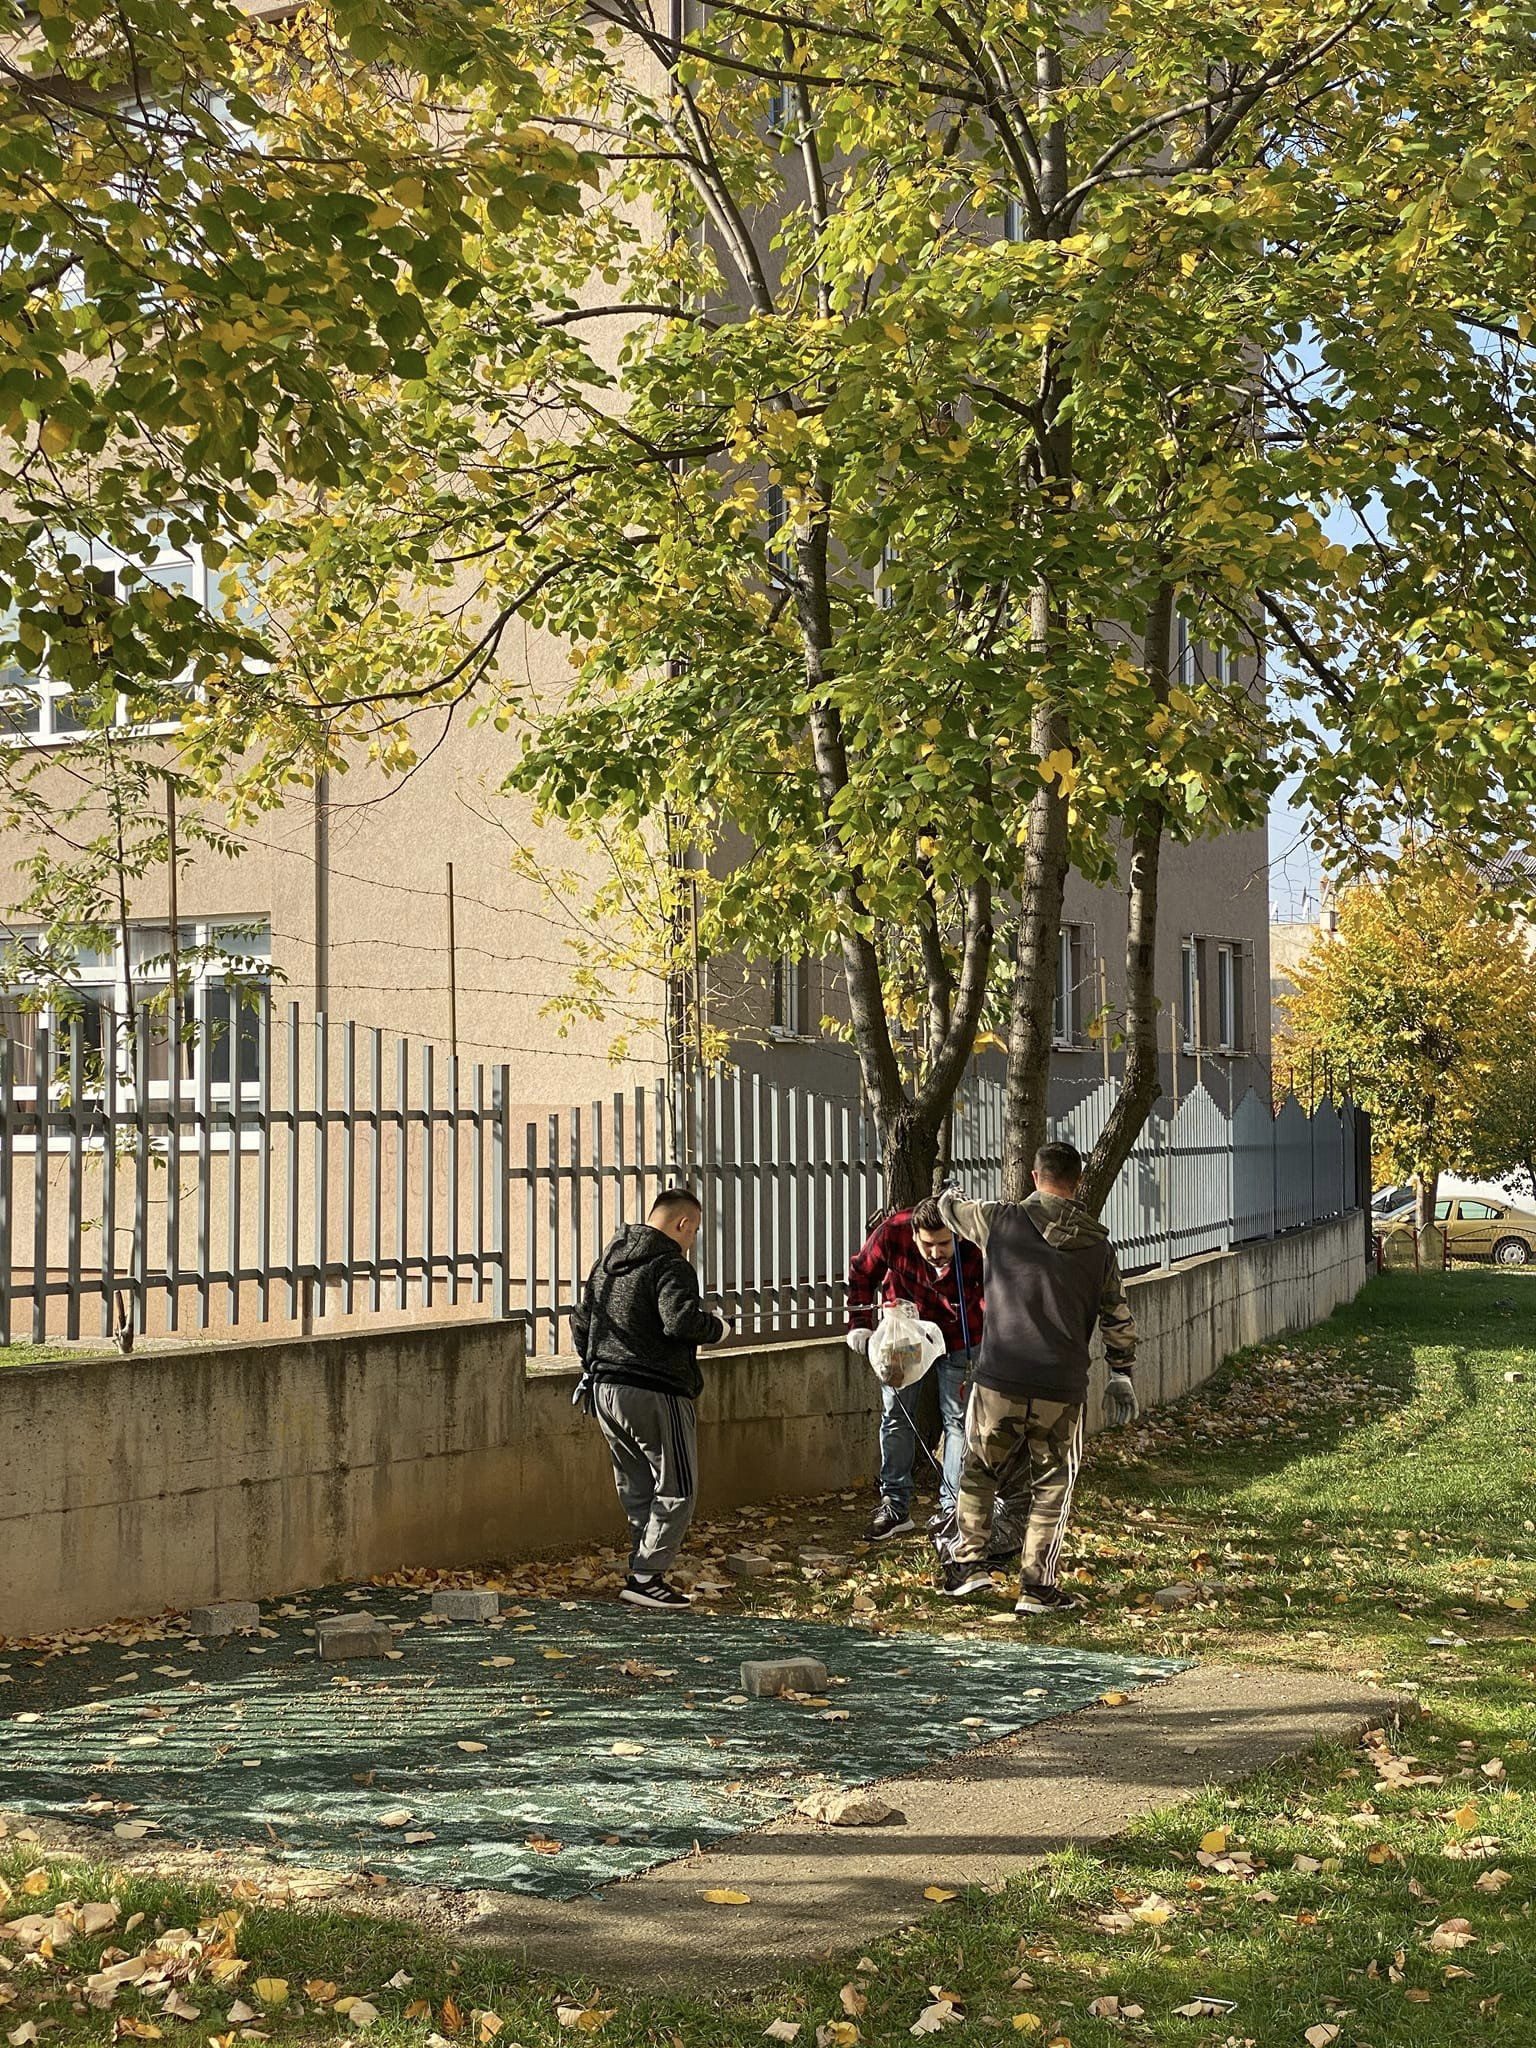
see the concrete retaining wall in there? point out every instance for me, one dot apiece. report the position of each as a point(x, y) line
point(225, 1471)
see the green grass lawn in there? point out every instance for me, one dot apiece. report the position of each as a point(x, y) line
point(1339, 1500)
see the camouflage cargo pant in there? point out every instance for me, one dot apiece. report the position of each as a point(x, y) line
point(1028, 1452)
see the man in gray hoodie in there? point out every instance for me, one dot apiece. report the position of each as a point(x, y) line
point(1050, 1276)
point(638, 1327)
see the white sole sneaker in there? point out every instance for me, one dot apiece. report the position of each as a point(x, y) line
point(665, 1599)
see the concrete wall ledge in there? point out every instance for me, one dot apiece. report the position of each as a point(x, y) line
point(129, 1486)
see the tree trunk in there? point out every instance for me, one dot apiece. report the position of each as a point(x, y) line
point(1425, 1186)
point(1035, 968)
point(1142, 1082)
point(909, 1143)
point(1043, 883)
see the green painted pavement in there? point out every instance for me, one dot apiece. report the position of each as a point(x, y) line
point(617, 1740)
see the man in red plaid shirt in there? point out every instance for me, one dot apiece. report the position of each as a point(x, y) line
point(914, 1256)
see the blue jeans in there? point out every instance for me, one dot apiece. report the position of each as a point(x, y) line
point(898, 1438)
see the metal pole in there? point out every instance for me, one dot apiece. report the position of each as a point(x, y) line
point(453, 975)
point(174, 1032)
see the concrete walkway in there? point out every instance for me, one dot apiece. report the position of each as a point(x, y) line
point(1073, 1782)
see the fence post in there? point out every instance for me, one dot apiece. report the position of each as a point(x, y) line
point(501, 1167)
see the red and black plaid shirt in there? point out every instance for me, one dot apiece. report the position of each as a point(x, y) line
point(890, 1267)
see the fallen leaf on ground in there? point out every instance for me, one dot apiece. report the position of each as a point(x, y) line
point(1453, 1934)
point(586, 2019)
point(939, 1896)
point(781, 2030)
point(852, 2000)
point(837, 2034)
point(1493, 1881)
point(321, 1990)
point(1322, 2035)
point(723, 1897)
point(941, 2013)
point(1215, 1843)
point(471, 1748)
point(1028, 2022)
point(1206, 2008)
point(272, 1990)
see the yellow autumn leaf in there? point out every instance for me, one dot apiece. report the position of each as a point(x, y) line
point(1465, 1817)
point(722, 1896)
point(1215, 1843)
point(319, 1989)
point(272, 1990)
point(1113, 1699)
point(937, 1893)
point(35, 1882)
point(1028, 2022)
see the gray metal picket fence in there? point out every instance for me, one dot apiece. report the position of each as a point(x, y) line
point(313, 1170)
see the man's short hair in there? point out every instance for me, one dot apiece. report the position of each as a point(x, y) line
point(1060, 1162)
point(926, 1215)
point(674, 1202)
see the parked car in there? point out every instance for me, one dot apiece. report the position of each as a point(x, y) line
point(1474, 1229)
point(1388, 1201)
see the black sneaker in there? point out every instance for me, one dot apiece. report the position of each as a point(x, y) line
point(890, 1521)
point(960, 1581)
point(652, 1593)
point(1046, 1600)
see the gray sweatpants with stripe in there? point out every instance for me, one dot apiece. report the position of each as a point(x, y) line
point(653, 1439)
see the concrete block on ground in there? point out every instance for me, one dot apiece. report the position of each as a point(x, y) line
point(766, 1678)
point(748, 1564)
point(467, 1603)
point(353, 1635)
point(224, 1618)
point(1175, 1596)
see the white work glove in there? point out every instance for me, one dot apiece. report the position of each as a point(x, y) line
point(727, 1327)
point(1121, 1406)
point(858, 1341)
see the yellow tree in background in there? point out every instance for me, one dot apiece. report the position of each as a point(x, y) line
point(1425, 997)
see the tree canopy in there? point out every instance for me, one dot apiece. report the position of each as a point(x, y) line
point(1423, 1004)
point(912, 373)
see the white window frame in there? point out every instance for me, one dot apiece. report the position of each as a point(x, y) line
point(17, 684)
point(1185, 667)
point(1228, 976)
point(151, 975)
point(1189, 993)
point(787, 997)
point(1064, 1015)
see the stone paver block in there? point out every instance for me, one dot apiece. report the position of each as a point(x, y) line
point(467, 1603)
point(224, 1618)
point(353, 1635)
point(766, 1678)
point(748, 1564)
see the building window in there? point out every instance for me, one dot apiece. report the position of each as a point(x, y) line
point(885, 587)
point(1228, 996)
point(789, 997)
point(224, 968)
point(1069, 953)
point(43, 707)
point(1013, 219)
point(1184, 667)
point(1189, 993)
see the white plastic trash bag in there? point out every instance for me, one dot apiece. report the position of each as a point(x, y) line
point(903, 1346)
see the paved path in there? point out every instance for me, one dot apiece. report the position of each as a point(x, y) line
point(1071, 1782)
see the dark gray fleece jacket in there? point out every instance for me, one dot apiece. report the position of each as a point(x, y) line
point(641, 1319)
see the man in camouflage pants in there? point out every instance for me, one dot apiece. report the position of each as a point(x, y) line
point(1051, 1275)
